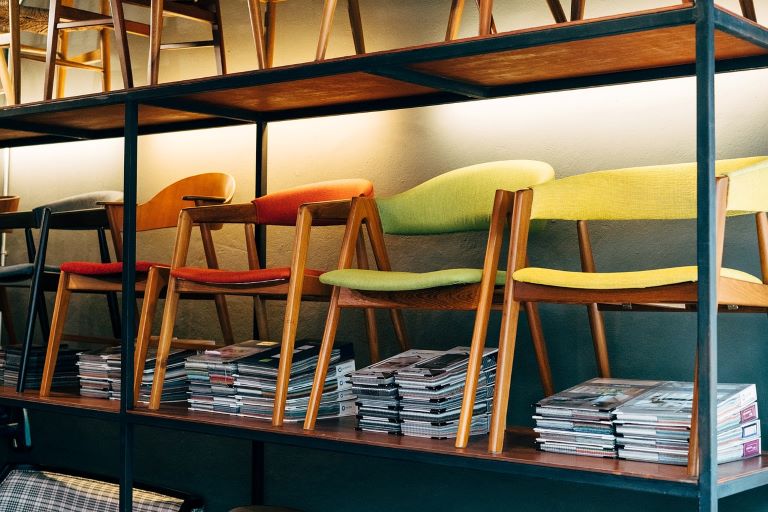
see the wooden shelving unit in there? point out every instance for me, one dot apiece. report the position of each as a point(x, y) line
point(681, 40)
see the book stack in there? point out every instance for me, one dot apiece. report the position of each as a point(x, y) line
point(211, 375)
point(256, 381)
point(378, 400)
point(431, 393)
point(578, 421)
point(93, 371)
point(2, 364)
point(65, 374)
point(655, 426)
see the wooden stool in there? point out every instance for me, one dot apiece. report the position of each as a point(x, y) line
point(747, 9)
point(486, 19)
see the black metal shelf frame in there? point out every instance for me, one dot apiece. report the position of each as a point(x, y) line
point(394, 65)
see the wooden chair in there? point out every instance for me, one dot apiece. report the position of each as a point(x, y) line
point(75, 213)
point(295, 283)
point(457, 201)
point(644, 193)
point(159, 212)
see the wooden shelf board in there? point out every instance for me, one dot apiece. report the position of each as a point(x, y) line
point(61, 400)
point(639, 42)
point(519, 446)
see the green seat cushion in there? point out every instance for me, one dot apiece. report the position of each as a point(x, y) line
point(382, 281)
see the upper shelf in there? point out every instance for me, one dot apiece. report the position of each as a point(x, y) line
point(640, 46)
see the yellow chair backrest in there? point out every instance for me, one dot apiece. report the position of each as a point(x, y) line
point(653, 192)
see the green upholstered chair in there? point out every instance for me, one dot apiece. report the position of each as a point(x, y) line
point(643, 194)
point(458, 201)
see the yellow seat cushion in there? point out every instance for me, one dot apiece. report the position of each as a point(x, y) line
point(620, 280)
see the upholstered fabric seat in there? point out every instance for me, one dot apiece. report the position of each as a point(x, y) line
point(373, 280)
point(21, 272)
point(90, 268)
point(244, 277)
point(621, 280)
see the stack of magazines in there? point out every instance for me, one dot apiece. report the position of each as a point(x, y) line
point(431, 393)
point(256, 381)
point(211, 375)
point(655, 426)
point(378, 400)
point(65, 375)
point(93, 371)
point(578, 421)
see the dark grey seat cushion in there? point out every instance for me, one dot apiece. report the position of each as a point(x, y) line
point(83, 201)
point(20, 272)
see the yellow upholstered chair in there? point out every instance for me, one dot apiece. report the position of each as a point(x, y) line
point(454, 202)
point(645, 194)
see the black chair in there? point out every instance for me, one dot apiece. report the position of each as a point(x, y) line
point(73, 213)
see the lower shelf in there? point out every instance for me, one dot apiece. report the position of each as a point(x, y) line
point(519, 457)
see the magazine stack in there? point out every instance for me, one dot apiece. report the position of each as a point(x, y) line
point(65, 375)
point(211, 375)
point(93, 371)
point(577, 421)
point(431, 393)
point(655, 426)
point(256, 380)
point(378, 400)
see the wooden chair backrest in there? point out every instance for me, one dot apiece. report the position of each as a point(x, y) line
point(162, 211)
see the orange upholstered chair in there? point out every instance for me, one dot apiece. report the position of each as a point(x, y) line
point(319, 204)
point(161, 211)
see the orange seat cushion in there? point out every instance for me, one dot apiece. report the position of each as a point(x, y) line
point(214, 276)
point(280, 208)
point(89, 268)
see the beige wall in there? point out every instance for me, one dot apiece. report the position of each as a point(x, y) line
point(574, 131)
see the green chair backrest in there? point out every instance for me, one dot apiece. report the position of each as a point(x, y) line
point(653, 192)
point(460, 200)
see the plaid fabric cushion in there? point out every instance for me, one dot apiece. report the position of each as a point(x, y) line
point(43, 491)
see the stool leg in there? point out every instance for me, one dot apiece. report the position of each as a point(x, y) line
point(270, 29)
point(217, 33)
point(486, 10)
point(105, 51)
point(577, 9)
point(121, 38)
point(257, 30)
point(51, 48)
point(5, 79)
point(454, 20)
point(356, 23)
point(14, 50)
point(61, 72)
point(325, 28)
point(155, 35)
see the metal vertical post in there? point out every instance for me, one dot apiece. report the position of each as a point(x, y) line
point(130, 165)
point(257, 447)
point(705, 253)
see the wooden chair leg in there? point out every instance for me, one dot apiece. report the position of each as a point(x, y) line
point(748, 9)
point(257, 30)
point(540, 348)
point(556, 8)
point(5, 80)
point(156, 279)
point(270, 29)
point(260, 314)
point(693, 443)
point(454, 20)
point(121, 38)
point(329, 10)
point(356, 23)
point(577, 9)
point(51, 47)
point(398, 323)
point(5, 309)
point(217, 35)
point(329, 335)
point(61, 72)
point(164, 344)
point(155, 36)
point(105, 52)
point(486, 13)
point(370, 314)
point(63, 294)
point(597, 326)
point(503, 377)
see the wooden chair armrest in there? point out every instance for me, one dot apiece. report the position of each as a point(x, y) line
point(203, 200)
point(329, 213)
point(110, 203)
point(222, 214)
